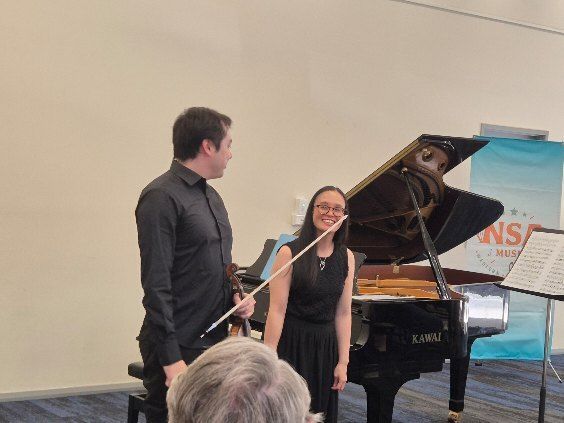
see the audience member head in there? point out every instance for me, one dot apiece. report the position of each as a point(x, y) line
point(239, 380)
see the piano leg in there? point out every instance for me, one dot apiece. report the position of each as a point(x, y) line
point(380, 398)
point(458, 376)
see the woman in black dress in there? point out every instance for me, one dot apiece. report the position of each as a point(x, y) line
point(309, 319)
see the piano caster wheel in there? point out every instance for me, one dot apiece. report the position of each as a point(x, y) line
point(454, 417)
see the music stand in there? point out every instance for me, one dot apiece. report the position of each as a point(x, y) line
point(539, 270)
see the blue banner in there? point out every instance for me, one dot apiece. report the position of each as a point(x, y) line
point(526, 176)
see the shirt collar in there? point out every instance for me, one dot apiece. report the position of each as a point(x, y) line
point(184, 173)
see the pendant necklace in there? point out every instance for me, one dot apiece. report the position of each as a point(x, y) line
point(322, 262)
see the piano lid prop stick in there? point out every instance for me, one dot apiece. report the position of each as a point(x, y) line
point(266, 282)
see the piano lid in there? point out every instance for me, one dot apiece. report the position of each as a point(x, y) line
point(383, 222)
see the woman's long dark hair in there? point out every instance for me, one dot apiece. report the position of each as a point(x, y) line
point(305, 269)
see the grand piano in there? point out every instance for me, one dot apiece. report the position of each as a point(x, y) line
point(409, 319)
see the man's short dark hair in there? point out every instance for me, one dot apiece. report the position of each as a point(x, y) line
point(195, 125)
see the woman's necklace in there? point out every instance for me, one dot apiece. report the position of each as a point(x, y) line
point(322, 262)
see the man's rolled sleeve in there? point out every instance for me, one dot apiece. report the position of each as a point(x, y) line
point(169, 352)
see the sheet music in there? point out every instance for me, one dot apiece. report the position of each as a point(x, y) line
point(540, 266)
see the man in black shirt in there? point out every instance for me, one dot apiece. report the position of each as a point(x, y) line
point(185, 243)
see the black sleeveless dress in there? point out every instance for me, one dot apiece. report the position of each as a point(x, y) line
point(309, 340)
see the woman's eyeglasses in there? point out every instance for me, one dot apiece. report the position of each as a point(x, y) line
point(324, 209)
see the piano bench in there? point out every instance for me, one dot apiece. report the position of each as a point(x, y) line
point(136, 401)
point(135, 370)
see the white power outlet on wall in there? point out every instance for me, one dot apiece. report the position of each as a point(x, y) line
point(300, 207)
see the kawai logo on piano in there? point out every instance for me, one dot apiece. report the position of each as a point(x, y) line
point(503, 241)
point(424, 338)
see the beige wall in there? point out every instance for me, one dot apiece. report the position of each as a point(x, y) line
point(538, 13)
point(319, 92)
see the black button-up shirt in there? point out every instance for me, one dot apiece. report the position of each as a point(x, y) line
point(185, 243)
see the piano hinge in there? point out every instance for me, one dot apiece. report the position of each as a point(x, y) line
point(396, 265)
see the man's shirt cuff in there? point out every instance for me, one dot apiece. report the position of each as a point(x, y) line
point(169, 352)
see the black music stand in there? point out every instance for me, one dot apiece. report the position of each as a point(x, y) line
point(539, 270)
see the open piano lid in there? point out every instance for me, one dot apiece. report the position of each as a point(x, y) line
point(383, 222)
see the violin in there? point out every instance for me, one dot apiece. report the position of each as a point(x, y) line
point(237, 324)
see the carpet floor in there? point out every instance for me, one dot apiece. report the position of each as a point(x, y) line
point(497, 392)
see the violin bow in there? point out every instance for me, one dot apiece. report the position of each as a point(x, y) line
point(266, 282)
